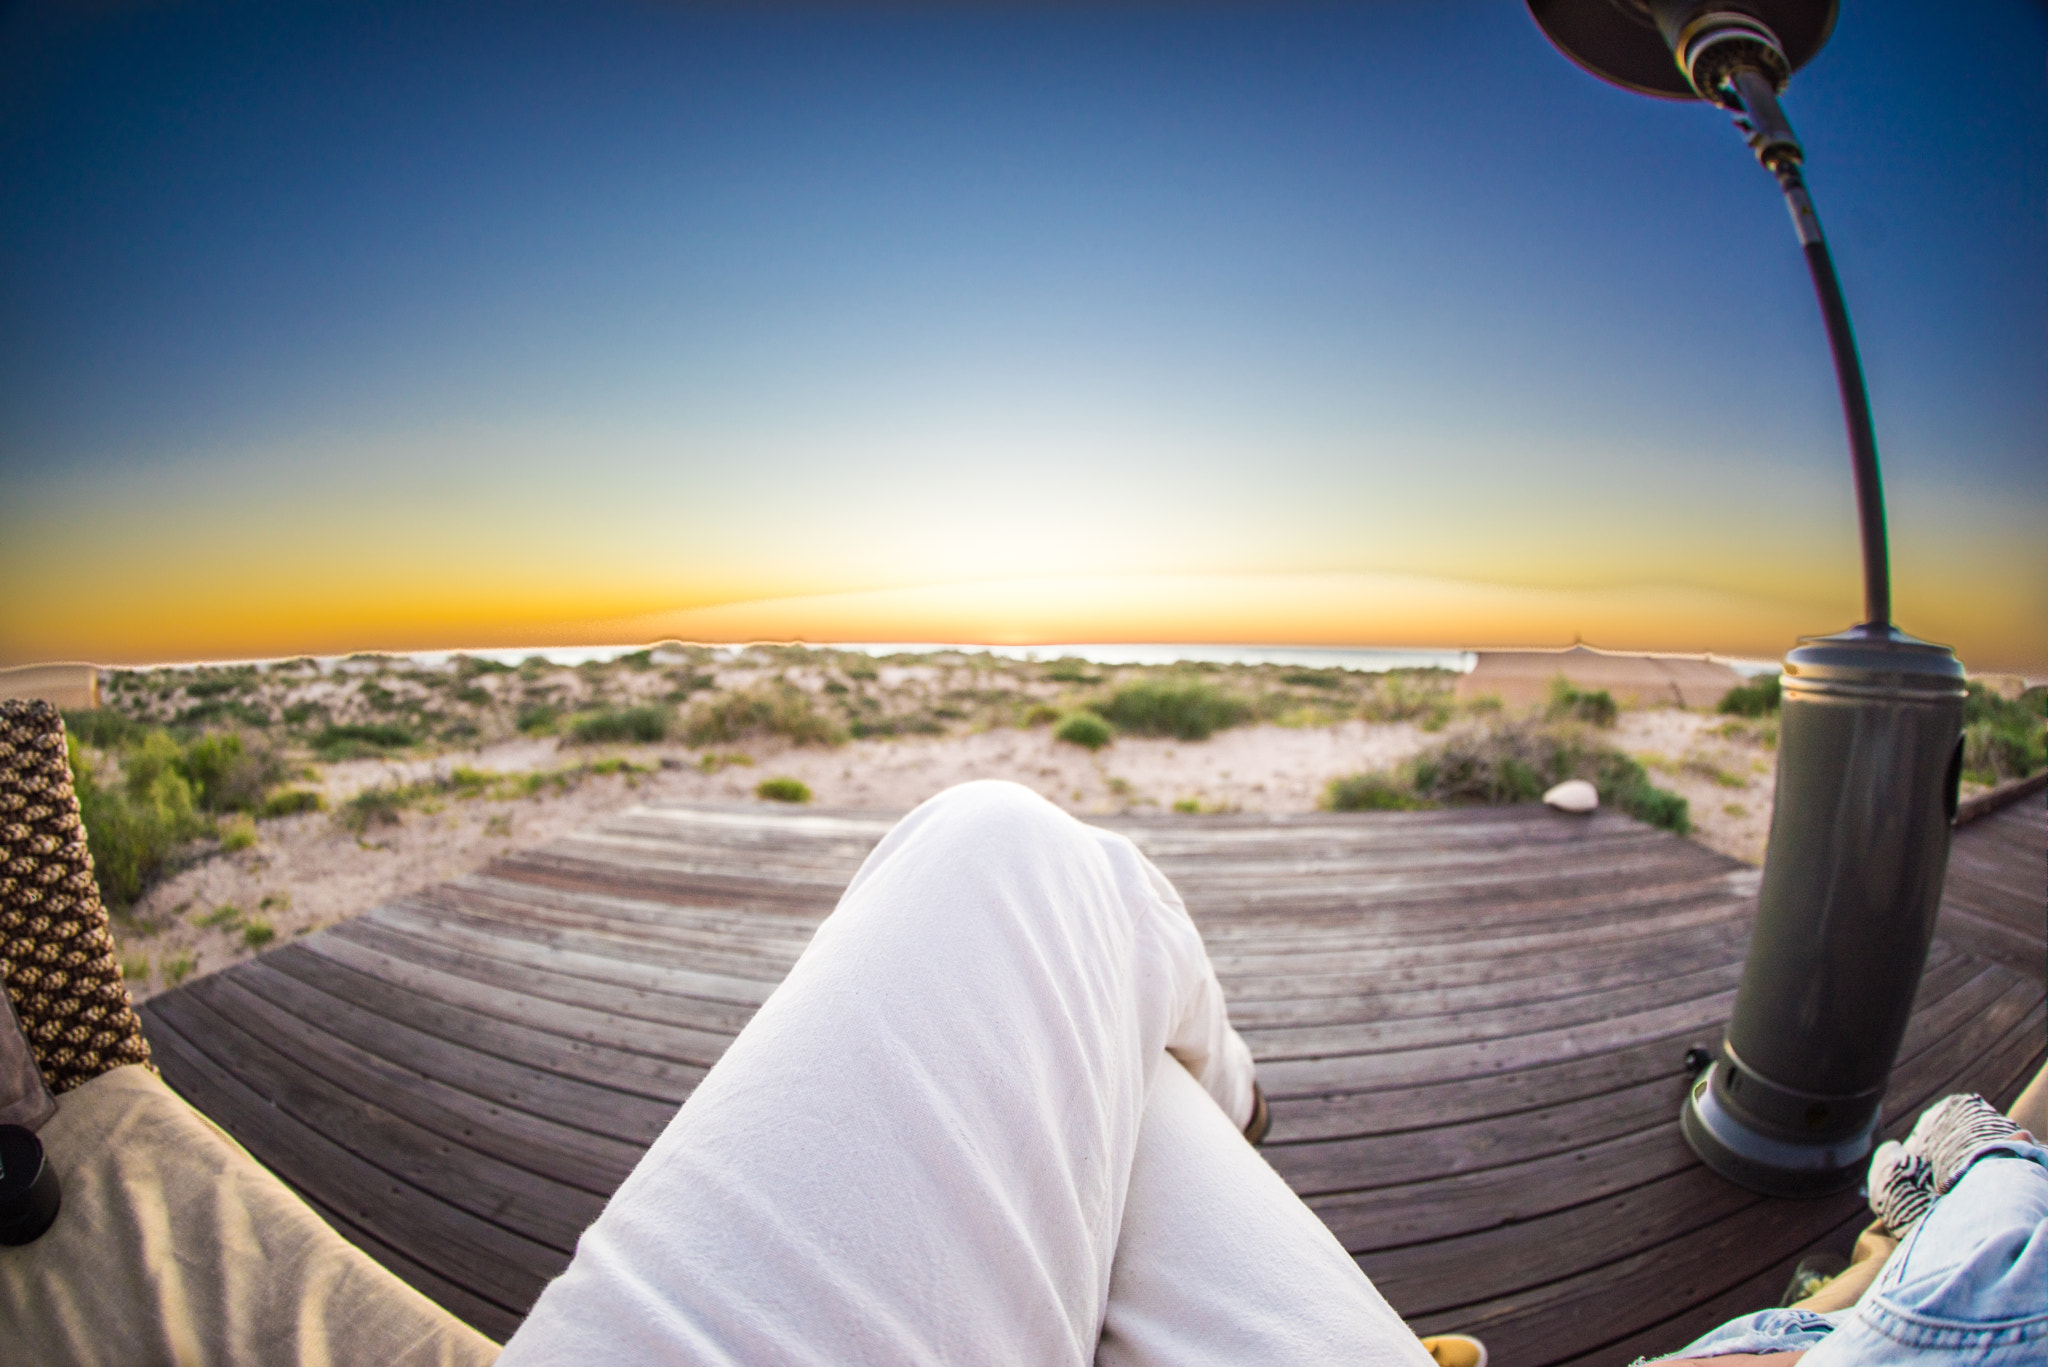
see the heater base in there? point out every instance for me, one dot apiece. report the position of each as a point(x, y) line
point(1760, 1163)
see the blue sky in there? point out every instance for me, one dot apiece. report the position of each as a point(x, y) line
point(690, 304)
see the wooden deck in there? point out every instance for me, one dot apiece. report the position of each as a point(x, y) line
point(1471, 1025)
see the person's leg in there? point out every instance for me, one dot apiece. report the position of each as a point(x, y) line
point(1876, 1244)
point(1970, 1282)
point(919, 1149)
point(1219, 1263)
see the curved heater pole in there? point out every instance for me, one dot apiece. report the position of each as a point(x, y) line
point(1770, 134)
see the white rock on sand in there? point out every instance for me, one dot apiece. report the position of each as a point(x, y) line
point(1573, 795)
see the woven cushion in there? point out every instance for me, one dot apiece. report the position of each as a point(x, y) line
point(56, 956)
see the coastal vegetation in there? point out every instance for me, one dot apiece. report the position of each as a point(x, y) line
point(181, 765)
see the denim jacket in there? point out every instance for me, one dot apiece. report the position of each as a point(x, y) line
point(1968, 1285)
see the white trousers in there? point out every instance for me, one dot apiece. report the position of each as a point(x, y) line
point(957, 1133)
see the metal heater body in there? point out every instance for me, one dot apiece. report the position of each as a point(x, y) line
point(1869, 749)
point(1869, 756)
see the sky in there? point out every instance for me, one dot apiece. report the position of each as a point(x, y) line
point(350, 326)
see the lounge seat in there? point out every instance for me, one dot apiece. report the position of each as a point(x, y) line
point(173, 1246)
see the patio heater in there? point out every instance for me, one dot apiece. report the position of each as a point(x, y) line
point(1869, 748)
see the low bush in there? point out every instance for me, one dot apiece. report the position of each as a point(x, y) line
point(913, 724)
point(1423, 696)
point(359, 741)
point(134, 830)
point(1070, 670)
point(469, 666)
point(782, 790)
point(228, 776)
point(289, 802)
point(1370, 793)
point(536, 719)
point(380, 806)
point(237, 832)
point(103, 728)
point(1191, 710)
point(777, 709)
point(644, 725)
point(1084, 729)
point(1595, 707)
point(1757, 698)
point(1518, 761)
point(2003, 738)
point(258, 933)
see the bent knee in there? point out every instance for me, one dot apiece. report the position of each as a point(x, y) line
point(992, 799)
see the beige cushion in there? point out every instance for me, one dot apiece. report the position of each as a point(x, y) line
point(175, 1246)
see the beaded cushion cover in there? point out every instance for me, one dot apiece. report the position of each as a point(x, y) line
point(56, 955)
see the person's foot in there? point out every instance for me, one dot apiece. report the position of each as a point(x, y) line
point(1262, 1119)
point(1957, 1131)
point(1902, 1187)
point(1455, 1350)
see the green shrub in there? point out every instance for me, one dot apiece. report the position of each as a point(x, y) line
point(379, 806)
point(227, 776)
point(1070, 670)
point(1314, 678)
point(536, 719)
point(178, 968)
point(103, 728)
point(779, 708)
point(2003, 738)
point(1595, 707)
point(237, 832)
point(1757, 698)
point(916, 724)
point(1191, 710)
point(1084, 729)
point(258, 933)
point(687, 683)
point(1518, 761)
point(1423, 696)
point(645, 725)
point(360, 741)
point(1040, 714)
point(469, 666)
point(1369, 793)
point(782, 790)
point(289, 802)
point(231, 710)
point(133, 831)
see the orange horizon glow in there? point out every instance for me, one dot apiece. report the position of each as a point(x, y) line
point(1354, 610)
